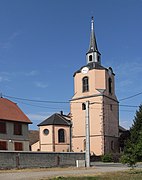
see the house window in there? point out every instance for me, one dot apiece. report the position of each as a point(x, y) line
point(85, 84)
point(18, 146)
point(61, 135)
point(110, 85)
point(83, 106)
point(17, 129)
point(2, 127)
point(90, 58)
point(3, 145)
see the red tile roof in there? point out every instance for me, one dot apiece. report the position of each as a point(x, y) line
point(11, 112)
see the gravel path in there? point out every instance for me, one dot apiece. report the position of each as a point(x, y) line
point(37, 174)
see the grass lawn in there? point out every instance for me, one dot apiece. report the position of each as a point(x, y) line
point(127, 175)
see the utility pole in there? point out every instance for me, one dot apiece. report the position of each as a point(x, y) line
point(87, 135)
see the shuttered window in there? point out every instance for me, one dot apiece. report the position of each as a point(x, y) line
point(18, 146)
point(17, 129)
point(3, 145)
point(2, 127)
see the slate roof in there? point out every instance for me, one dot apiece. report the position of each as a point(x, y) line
point(56, 119)
point(122, 129)
point(33, 136)
point(11, 112)
point(92, 65)
point(93, 44)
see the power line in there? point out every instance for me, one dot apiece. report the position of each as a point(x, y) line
point(40, 106)
point(129, 97)
point(67, 102)
point(33, 100)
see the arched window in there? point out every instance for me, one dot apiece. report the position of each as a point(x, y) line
point(98, 58)
point(61, 135)
point(85, 84)
point(110, 85)
point(90, 58)
point(83, 106)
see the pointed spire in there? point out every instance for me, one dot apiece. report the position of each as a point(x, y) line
point(93, 55)
point(93, 44)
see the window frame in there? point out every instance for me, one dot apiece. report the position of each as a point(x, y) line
point(83, 106)
point(85, 84)
point(90, 58)
point(17, 129)
point(2, 127)
point(3, 145)
point(61, 136)
point(18, 146)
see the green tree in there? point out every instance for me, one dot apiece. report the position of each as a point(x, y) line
point(136, 129)
point(133, 146)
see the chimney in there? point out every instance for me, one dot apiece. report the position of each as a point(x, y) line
point(61, 112)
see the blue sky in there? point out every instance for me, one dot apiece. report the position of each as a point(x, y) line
point(42, 43)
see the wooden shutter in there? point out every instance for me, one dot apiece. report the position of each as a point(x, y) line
point(18, 146)
point(3, 145)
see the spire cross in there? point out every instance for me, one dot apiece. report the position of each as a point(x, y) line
point(92, 24)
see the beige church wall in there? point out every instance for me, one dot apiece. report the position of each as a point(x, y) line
point(62, 147)
point(35, 146)
point(78, 118)
point(46, 147)
point(46, 141)
point(98, 82)
point(67, 133)
point(95, 112)
point(79, 130)
point(79, 145)
point(96, 143)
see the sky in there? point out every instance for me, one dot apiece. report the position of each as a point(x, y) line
point(42, 44)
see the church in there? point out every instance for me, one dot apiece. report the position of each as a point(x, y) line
point(94, 93)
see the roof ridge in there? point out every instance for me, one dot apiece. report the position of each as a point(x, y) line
point(64, 119)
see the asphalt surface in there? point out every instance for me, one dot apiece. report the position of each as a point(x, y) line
point(37, 174)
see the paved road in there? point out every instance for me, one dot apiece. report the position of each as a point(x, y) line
point(37, 174)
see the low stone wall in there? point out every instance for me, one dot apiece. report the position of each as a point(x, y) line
point(22, 159)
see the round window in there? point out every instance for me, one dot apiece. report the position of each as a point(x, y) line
point(46, 131)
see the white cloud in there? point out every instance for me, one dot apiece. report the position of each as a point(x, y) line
point(8, 43)
point(31, 73)
point(41, 84)
point(2, 78)
point(125, 124)
point(14, 35)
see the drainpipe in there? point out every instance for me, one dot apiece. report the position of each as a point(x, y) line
point(53, 137)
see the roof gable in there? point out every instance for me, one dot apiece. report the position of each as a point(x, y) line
point(11, 112)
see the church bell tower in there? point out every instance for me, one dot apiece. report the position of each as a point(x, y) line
point(96, 84)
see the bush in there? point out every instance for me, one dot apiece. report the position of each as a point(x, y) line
point(130, 160)
point(107, 158)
